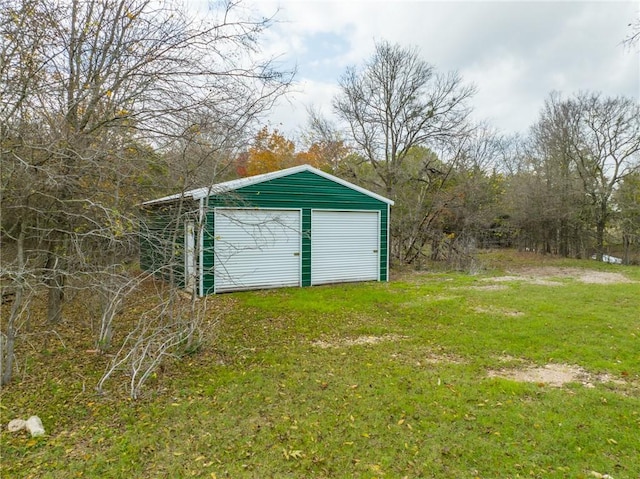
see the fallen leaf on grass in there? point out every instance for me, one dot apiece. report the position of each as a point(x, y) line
point(292, 454)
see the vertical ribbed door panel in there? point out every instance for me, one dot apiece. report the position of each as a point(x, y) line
point(345, 246)
point(256, 249)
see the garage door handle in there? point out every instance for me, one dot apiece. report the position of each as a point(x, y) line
point(375, 250)
point(296, 254)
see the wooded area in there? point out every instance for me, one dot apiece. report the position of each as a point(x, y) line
point(107, 103)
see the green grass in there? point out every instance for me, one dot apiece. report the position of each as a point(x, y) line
point(265, 401)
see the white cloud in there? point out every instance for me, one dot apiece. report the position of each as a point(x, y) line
point(515, 52)
point(290, 113)
point(496, 82)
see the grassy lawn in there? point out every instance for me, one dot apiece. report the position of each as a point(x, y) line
point(425, 376)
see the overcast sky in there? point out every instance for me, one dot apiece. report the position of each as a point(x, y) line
point(514, 52)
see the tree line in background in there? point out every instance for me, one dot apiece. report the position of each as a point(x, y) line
point(107, 103)
point(570, 187)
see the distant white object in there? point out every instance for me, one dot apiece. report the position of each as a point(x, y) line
point(16, 425)
point(608, 259)
point(597, 475)
point(34, 426)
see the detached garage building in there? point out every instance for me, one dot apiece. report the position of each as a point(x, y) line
point(294, 227)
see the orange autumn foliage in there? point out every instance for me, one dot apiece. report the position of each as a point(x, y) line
point(272, 151)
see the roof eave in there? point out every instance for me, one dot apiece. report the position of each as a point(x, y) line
point(199, 193)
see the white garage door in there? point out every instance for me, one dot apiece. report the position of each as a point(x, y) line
point(256, 249)
point(344, 246)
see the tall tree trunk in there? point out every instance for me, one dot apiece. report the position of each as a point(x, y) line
point(56, 298)
point(7, 346)
point(601, 225)
point(600, 240)
point(55, 281)
point(626, 244)
point(563, 240)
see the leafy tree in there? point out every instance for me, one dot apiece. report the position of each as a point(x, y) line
point(627, 199)
point(474, 193)
point(553, 204)
point(604, 145)
point(393, 105)
point(99, 99)
point(271, 151)
point(327, 142)
point(396, 101)
point(318, 155)
point(579, 153)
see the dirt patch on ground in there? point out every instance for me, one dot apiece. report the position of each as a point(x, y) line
point(359, 341)
point(584, 275)
point(531, 279)
point(423, 358)
point(555, 375)
point(434, 358)
point(498, 311)
point(488, 287)
point(553, 276)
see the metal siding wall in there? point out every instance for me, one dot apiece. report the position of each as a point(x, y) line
point(384, 244)
point(345, 246)
point(256, 249)
point(302, 190)
point(306, 247)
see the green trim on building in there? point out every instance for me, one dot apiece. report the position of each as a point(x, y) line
point(306, 247)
